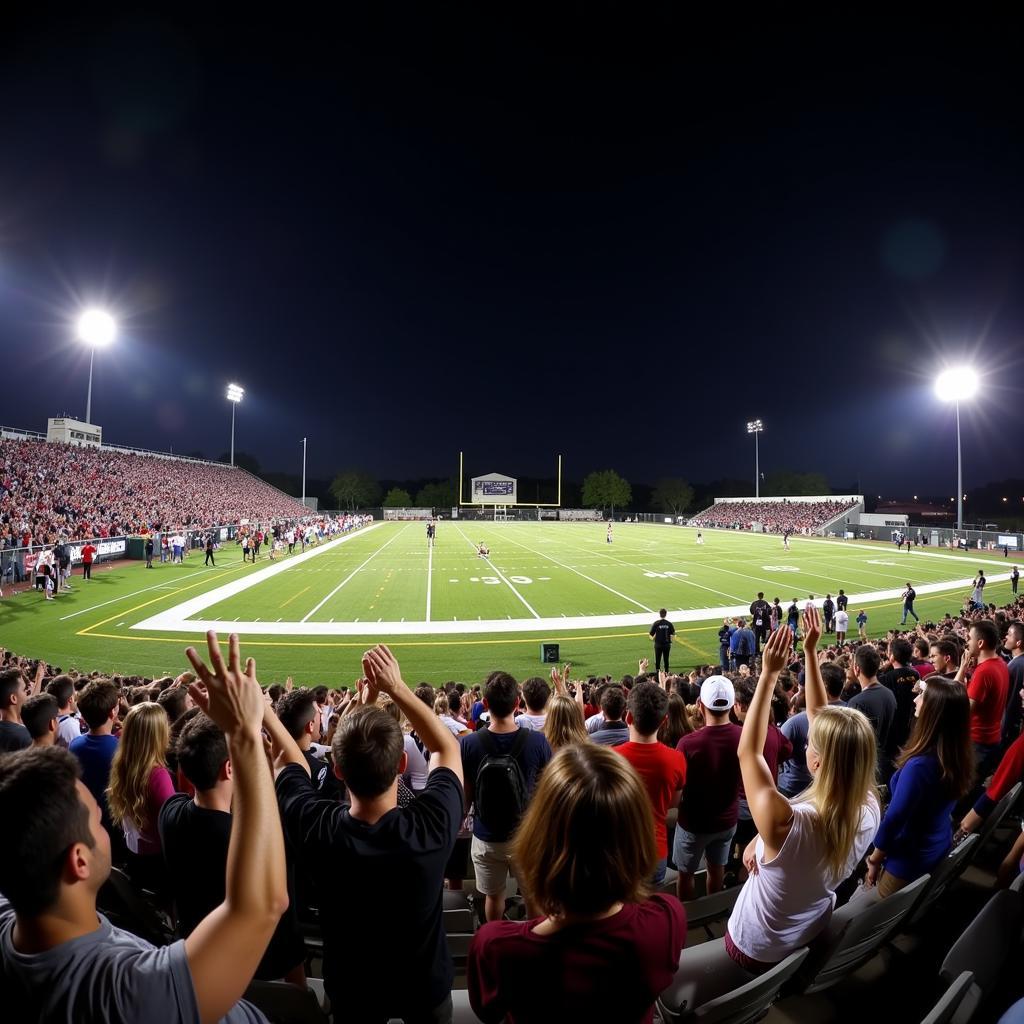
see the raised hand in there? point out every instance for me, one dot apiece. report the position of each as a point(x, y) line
point(381, 669)
point(775, 653)
point(812, 627)
point(230, 695)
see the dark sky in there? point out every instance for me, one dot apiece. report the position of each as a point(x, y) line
point(614, 234)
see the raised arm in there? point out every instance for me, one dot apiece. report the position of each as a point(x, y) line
point(814, 686)
point(225, 948)
point(381, 669)
point(770, 810)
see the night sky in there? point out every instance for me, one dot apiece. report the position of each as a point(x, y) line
point(612, 234)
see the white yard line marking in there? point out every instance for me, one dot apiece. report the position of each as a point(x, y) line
point(565, 565)
point(501, 575)
point(351, 574)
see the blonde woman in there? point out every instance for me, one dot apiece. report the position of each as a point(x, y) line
point(139, 785)
point(603, 948)
point(564, 723)
point(806, 846)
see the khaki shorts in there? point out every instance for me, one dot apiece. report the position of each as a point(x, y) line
point(492, 864)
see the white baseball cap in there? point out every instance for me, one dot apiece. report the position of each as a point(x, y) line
point(717, 693)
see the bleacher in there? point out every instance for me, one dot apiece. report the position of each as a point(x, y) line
point(805, 515)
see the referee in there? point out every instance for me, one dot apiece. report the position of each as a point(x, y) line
point(662, 631)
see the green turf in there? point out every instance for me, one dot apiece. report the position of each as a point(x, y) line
point(549, 570)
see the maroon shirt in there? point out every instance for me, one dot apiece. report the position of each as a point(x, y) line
point(612, 969)
point(776, 748)
point(711, 798)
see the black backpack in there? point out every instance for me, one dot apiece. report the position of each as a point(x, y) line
point(500, 792)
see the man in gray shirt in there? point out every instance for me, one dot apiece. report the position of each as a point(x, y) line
point(60, 960)
point(876, 702)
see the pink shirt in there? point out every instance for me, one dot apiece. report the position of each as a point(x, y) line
point(146, 841)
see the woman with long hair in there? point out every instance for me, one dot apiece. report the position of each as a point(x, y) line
point(806, 846)
point(564, 723)
point(139, 785)
point(933, 771)
point(676, 724)
point(603, 948)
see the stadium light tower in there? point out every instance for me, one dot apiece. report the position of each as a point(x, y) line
point(235, 394)
point(756, 427)
point(957, 384)
point(97, 329)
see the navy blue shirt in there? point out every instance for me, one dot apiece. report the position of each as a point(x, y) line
point(535, 754)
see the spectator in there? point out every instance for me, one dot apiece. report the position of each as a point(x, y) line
point(298, 713)
point(842, 620)
point(661, 770)
point(676, 724)
point(500, 766)
point(803, 851)
point(536, 693)
point(603, 950)
point(933, 771)
point(58, 961)
point(175, 701)
point(795, 776)
point(725, 633)
point(874, 701)
point(442, 709)
point(773, 516)
point(563, 722)
point(139, 785)
point(376, 844)
point(14, 691)
point(988, 690)
point(39, 715)
point(197, 831)
point(1014, 645)
point(742, 644)
point(710, 805)
point(945, 657)
point(662, 631)
point(761, 617)
point(613, 730)
point(901, 679)
point(99, 706)
point(62, 689)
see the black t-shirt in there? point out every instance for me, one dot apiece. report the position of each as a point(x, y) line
point(13, 737)
point(908, 595)
point(195, 847)
point(841, 602)
point(663, 631)
point(724, 635)
point(326, 783)
point(392, 900)
point(760, 613)
point(900, 682)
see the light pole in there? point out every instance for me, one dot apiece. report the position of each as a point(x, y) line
point(97, 329)
point(756, 427)
point(303, 471)
point(957, 384)
point(234, 396)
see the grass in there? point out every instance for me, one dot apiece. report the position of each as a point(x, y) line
point(537, 572)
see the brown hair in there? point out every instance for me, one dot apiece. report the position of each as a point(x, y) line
point(943, 728)
point(587, 839)
point(676, 724)
point(367, 749)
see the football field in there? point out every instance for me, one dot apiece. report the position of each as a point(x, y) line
point(450, 614)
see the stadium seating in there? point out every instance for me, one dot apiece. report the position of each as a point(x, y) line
point(946, 1010)
point(773, 516)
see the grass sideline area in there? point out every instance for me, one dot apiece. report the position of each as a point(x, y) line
point(555, 582)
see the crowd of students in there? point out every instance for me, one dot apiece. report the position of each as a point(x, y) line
point(250, 812)
point(50, 491)
point(773, 516)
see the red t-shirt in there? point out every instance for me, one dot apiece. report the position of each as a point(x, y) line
point(988, 688)
point(88, 552)
point(612, 969)
point(664, 773)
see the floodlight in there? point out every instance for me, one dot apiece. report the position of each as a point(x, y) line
point(957, 384)
point(96, 328)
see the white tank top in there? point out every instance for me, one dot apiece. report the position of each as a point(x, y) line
point(790, 899)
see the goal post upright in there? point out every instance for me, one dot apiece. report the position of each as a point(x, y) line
point(464, 503)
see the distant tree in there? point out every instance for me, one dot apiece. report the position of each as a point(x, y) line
point(397, 498)
point(440, 494)
point(355, 489)
point(673, 495)
point(606, 489)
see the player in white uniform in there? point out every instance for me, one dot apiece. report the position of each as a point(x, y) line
point(608, 536)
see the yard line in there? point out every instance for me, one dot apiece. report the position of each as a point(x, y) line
point(501, 575)
point(292, 598)
point(584, 575)
point(351, 574)
point(430, 573)
point(134, 593)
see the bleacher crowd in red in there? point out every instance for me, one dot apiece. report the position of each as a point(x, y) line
point(50, 491)
point(360, 852)
point(773, 516)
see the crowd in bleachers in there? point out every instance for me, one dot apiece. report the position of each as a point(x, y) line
point(773, 516)
point(274, 841)
point(51, 490)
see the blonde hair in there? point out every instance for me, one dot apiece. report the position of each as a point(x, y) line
point(586, 841)
point(563, 722)
point(844, 782)
point(141, 748)
point(441, 708)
